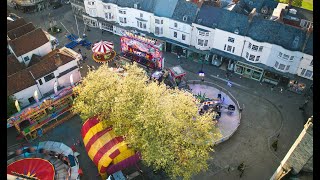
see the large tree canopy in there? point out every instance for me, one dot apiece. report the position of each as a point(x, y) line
point(11, 108)
point(163, 124)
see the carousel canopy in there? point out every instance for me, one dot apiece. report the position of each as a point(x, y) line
point(32, 168)
point(102, 47)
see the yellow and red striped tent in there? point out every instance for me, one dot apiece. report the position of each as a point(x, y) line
point(107, 151)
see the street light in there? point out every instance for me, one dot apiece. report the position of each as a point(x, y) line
point(201, 73)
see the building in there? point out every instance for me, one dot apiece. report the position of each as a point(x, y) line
point(41, 74)
point(77, 8)
point(33, 63)
point(250, 37)
point(24, 40)
point(300, 156)
point(29, 5)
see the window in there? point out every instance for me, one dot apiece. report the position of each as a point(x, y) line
point(276, 64)
point(257, 58)
point(92, 3)
point(183, 37)
point(158, 30)
point(230, 39)
point(251, 58)
point(302, 72)
point(291, 58)
point(249, 46)
point(26, 58)
point(122, 12)
point(311, 64)
point(141, 15)
point(108, 16)
point(247, 55)
point(202, 33)
point(157, 21)
point(40, 81)
point(200, 42)
point(287, 68)
point(161, 21)
point(254, 47)
point(175, 25)
point(31, 100)
point(107, 7)
point(123, 20)
point(260, 48)
point(233, 49)
point(308, 73)
point(282, 66)
point(229, 48)
point(49, 77)
point(144, 26)
point(205, 42)
point(280, 54)
point(175, 34)
point(184, 18)
point(224, 47)
point(285, 57)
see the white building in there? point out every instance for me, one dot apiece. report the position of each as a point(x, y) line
point(58, 66)
point(24, 40)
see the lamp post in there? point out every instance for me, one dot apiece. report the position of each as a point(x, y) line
point(201, 73)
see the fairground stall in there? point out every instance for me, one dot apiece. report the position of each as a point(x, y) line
point(37, 119)
point(144, 51)
point(47, 160)
point(108, 152)
point(103, 52)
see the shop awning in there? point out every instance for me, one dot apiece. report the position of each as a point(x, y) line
point(204, 30)
point(224, 54)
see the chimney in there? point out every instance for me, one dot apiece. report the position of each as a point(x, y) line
point(252, 14)
point(57, 59)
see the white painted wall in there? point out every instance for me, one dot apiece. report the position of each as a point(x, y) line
point(64, 80)
point(274, 57)
point(264, 54)
point(22, 96)
point(221, 38)
point(41, 51)
point(195, 36)
point(182, 28)
point(305, 63)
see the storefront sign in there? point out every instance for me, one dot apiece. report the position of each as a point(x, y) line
point(140, 38)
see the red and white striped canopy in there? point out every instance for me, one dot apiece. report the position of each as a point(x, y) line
point(102, 47)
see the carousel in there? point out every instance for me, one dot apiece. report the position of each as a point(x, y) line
point(103, 52)
point(48, 160)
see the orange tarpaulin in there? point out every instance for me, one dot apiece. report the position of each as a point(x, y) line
point(108, 152)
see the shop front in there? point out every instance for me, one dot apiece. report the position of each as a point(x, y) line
point(177, 48)
point(248, 71)
point(275, 78)
point(296, 86)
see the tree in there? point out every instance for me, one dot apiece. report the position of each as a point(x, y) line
point(162, 124)
point(296, 3)
point(11, 108)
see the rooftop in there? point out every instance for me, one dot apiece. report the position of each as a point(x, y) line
point(160, 11)
point(273, 32)
point(28, 42)
point(21, 30)
point(19, 77)
point(185, 11)
point(14, 24)
point(144, 5)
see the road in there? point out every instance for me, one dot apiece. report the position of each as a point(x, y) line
point(266, 113)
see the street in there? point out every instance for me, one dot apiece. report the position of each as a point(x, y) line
point(266, 113)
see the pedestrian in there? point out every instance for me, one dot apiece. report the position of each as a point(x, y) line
point(222, 99)
point(272, 88)
point(281, 90)
point(229, 84)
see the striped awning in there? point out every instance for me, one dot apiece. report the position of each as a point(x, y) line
point(102, 47)
point(107, 151)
